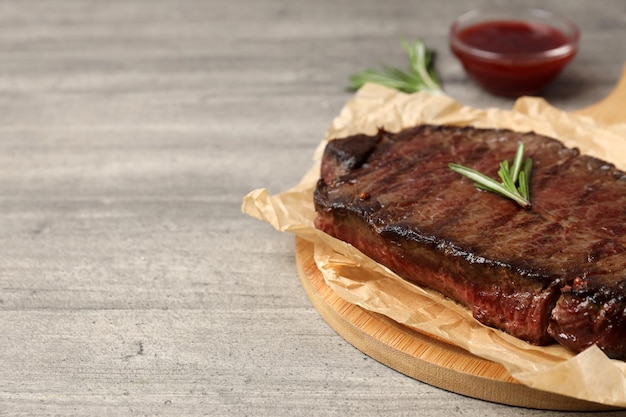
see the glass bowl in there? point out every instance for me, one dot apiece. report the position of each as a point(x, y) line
point(513, 52)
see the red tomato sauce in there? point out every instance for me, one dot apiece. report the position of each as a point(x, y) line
point(512, 37)
point(506, 66)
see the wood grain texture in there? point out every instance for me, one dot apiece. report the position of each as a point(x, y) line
point(130, 130)
point(419, 356)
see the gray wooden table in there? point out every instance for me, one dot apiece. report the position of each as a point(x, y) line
point(130, 130)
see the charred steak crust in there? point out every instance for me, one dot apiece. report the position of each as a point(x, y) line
point(554, 272)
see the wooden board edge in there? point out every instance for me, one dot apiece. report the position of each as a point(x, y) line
point(610, 110)
point(433, 364)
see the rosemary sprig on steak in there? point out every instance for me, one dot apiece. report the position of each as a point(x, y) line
point(515, 179)
point(420, 75)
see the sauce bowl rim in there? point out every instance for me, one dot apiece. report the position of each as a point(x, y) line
point(511, 14)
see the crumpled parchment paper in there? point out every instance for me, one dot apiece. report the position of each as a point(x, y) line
point(589, 375)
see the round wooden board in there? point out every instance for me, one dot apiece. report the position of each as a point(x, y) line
point(420, 356)
point(428, 359)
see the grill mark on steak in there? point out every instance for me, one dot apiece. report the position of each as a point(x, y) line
point(531, 273)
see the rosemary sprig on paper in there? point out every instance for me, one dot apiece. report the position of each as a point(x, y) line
point(420, 75)
point(515, 179)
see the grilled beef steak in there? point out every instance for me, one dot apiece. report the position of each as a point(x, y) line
point(556, 271)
